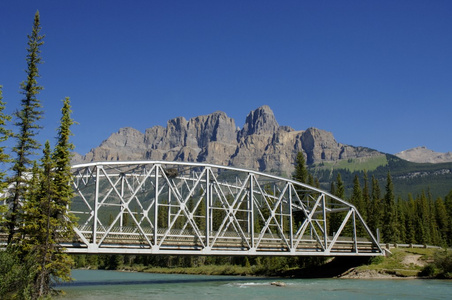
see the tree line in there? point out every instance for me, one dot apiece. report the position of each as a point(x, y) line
point(36, 192)
point(418, 219)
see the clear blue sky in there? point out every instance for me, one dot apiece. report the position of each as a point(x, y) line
point(374, 73)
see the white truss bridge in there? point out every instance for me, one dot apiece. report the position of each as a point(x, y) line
point(180, 208)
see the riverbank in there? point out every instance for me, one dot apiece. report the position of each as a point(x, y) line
point(401, 263)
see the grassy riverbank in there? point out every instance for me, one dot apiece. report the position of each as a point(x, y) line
point(406, 263)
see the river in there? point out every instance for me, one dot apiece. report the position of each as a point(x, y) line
point(113, 285)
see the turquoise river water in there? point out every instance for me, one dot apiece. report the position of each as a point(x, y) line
point(112, 285)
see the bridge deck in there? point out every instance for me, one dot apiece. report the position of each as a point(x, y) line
point(184, 242)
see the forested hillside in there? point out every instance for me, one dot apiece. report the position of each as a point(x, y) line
point(408, 177)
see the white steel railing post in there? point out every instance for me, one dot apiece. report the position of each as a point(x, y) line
point(121, 222)
point(325, 233)
point(96, 201)
point(251, 201)
point(208, 203)
point(291, 216)
point(355, 238)
point(157, 167)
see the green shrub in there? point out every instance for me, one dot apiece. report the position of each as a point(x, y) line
point(428, 271)
point(376, 260)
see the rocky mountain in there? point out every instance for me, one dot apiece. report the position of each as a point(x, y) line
point(424, 155)
point(262, 144)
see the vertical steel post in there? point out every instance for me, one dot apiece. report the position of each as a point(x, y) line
point(291, 216)
point(325, 233)
point(208, 203)
point(96, 201)
point(355, 238)
point(251, 201)
point(170, 208)
point(121, 222)
point(157, 167)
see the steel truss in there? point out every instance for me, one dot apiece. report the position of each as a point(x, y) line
point(158, 207)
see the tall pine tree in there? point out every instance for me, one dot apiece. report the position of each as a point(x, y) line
point(358, 202)
point(374, 211)
point(366, 197)
point(442, 219)
point(63, 176)
point(335, 219)
point(4, 157)
point(27, 125)
point(389, 229)
point(46, 217)
point(301, 172)
point(448, 204)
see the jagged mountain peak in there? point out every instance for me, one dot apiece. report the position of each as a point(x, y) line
point(214, 138)
point(260, 121)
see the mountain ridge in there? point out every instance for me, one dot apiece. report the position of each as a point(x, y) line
point(424, 155)
point(262, 144)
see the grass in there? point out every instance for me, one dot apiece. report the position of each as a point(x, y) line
point(399, 263)
point(355, 164)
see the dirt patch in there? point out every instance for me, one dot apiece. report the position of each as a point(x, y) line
point(366, 274)
point(413, 259)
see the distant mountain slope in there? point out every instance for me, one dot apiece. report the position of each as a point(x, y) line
point(408, 177)
point(424, 155)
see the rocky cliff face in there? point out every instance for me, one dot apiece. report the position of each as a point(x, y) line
point(260, 145)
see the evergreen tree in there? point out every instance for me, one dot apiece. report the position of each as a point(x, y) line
point(340, 188)
point(400, 221)
point(434, 231)
point(332, 188)
point(4, 157)
point(357, 196)
point(27, 125)
point(201, 214)
point(442, 220)
point(38, 226)
point(366, 197)
point(62, 158)
point(389, 229)
point(357, 201)
point(423, 232)
point(409, 220)
point(336, 218)
point(301, 172)
point(162, 218)
point(46, 217)
point(62, 174)
point(448, 205)
point(311, 180)
point(374, 211)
